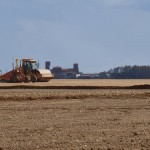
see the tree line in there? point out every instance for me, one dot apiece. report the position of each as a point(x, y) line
point(127, 72)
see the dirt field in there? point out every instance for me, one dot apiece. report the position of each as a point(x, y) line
point(48, 119)
point(84, 82)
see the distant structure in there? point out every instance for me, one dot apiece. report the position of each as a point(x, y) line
point(65, 73)
point(75, 68)
point(47, 65)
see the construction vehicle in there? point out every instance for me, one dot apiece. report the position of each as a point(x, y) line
point(27, 71)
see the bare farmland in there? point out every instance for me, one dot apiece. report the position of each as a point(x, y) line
point(92, 82)
point(47, 119)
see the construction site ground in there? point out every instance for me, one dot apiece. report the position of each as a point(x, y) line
point(84, 119)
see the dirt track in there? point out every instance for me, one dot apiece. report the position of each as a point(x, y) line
point(74, 119)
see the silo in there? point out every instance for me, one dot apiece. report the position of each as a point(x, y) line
point(76, 68)
point(47, 65)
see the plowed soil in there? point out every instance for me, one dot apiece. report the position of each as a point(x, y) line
point(53, 119)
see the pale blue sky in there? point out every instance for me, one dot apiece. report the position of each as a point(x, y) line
point(97, 34)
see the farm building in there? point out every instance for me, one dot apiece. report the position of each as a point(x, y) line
point(65, 73)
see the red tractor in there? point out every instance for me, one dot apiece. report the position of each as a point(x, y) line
point(27, 71)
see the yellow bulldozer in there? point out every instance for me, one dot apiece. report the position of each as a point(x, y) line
point(26, 71)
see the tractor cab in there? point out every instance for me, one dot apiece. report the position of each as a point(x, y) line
point(29, 65)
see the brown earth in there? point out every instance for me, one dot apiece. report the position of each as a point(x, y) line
point(80, 82)
point(50, 119)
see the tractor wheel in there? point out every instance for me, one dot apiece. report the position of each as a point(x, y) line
point(20, 78)
point(33, 79)
point(27, 79)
